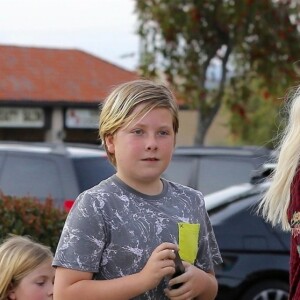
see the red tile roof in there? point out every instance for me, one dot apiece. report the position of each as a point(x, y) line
point(56, 75)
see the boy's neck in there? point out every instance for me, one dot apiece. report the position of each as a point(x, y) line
point(147, 188)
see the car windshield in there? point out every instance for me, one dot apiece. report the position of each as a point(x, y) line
point(91, 170)
point(226, 195)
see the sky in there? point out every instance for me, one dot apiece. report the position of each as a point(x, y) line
point(104, 28)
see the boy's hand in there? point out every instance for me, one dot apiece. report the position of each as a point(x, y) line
point(192, 283)
point(160, 264)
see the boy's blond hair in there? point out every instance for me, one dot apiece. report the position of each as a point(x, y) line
point(19, 256)
point(118, 106)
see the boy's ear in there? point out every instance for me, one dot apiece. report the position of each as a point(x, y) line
point(109, 141)
point(12, 292)
point(11, 295)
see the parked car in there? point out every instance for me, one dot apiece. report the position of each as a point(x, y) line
point(255, 255)
point(210, 169)
point(59, 171)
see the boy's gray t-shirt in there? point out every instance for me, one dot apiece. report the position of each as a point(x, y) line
point(112, 230)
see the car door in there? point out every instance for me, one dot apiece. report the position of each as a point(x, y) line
point(28, 174)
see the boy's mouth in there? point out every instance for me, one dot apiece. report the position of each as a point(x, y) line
point(151, 159)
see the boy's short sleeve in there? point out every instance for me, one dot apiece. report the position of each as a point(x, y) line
point(83, 237)
point(208, 254)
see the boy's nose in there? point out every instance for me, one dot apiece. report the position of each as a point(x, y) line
point(151, 147)
point(151, 143)
point(50, 290)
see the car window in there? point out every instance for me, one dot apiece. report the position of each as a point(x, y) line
point(181, 170)
point(217, 173)
point(34, 176)
point(227, 210)
point(2, 156)
point(91, 170)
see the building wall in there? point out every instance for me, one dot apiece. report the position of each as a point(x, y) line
point(187, 127)
point(218, 133)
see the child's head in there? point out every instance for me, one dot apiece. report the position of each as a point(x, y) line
point(119, 105)
point(26, 271)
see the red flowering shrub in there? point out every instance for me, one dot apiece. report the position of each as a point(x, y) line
point(28, 216)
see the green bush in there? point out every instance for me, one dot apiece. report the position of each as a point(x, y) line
point(28, 216)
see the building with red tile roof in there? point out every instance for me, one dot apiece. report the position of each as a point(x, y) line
point(56, 75)
point(53, 85)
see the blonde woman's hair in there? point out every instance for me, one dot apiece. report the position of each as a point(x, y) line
point(276, 201)
point(18, 257)
point(118, 106)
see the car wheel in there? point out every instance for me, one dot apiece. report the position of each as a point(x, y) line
point(268, 290)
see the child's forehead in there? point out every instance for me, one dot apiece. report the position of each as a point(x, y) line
point(143, 107)
point(142, 110)
point(140, 116)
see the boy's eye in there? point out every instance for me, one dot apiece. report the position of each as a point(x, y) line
point(40, 283)
point(163, 132)
point(138, 131)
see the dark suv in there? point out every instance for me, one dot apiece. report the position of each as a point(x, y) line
point(59, 171)
point(210, 169)
point(255, 255)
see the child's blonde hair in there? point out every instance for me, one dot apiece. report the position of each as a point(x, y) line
point(18, 257)
point(118, 106)
point(276, 201)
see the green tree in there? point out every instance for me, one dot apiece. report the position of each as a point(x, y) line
point(256, 120)
point(204, 47)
